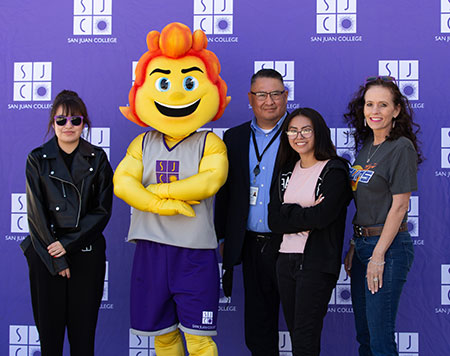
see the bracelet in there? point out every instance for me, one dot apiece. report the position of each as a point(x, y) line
point(352, 242)
point(377, 263)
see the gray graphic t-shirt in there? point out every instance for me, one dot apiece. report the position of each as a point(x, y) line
point(378, 173)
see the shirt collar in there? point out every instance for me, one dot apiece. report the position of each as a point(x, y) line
point(257, 129)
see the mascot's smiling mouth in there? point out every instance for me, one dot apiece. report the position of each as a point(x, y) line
point(177, 110)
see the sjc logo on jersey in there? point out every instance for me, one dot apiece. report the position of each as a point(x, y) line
point(32, 81)
point(214, 17)
point(406, 72)
point(285, 68)
point(407, 343)
point(92, 17)
point(142, 345)
point(24, 340)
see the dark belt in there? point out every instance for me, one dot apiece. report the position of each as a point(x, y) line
point(259, 236)
point(365, 231)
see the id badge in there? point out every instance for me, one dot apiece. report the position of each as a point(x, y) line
point(253, 195)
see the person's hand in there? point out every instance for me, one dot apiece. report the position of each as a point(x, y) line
point(319, 200)
point(56, 249)
point(65, 273)
point(348, 260)
point(374, 275)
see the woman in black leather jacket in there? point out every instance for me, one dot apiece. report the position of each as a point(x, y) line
point(308, 205)
point(69, 199)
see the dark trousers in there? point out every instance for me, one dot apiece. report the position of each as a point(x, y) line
point(304, 298)
point(262, 301)
point(59, 302)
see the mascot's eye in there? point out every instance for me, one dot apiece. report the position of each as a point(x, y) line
point(162, 84)
point(190, 83)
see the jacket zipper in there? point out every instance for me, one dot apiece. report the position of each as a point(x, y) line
point(78, 192)
point(64, 190)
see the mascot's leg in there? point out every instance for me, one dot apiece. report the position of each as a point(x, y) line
point(170, 344)
point(200, 345)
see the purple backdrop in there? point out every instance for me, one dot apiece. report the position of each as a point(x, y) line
point(323, 48)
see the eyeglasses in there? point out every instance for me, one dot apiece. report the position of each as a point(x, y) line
point(384, 78)
point(274, 95)
point(306, 132)
point(61, 120)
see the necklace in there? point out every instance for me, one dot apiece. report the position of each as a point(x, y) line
point(369, 156)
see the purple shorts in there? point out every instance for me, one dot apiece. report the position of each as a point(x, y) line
point(174, 287)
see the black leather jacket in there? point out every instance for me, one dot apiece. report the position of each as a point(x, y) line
point(71, 207)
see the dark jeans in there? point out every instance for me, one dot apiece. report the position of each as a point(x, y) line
point(262, 301)
point(304, 297)
point(59, 302)
point(375, 314)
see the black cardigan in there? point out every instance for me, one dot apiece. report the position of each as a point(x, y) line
point(326, 221)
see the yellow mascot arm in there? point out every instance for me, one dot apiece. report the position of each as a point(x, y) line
point(128, 186)
point(212, 174)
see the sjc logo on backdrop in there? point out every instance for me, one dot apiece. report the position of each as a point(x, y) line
point(336, 17)
point(445, 285)
point(406, 73)
point(413, 220)
point(224, 302)
point(215, 17)
point(445, 148)
point(19, 222)
point(407, 343)
point(287, 71)
point(92, 18)
point(32, 82)
point(444, 308)
point(284, 343)
point(141, 345)
point(445, 16)
point(24, 340)
point(99, 136)
point(341, 298)
point(344, 142)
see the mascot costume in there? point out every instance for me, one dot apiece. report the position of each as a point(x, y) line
point(169, 176)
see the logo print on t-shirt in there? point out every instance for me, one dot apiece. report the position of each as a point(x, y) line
point(167, 171)
point(360, 175)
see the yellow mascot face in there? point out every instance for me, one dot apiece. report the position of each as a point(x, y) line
point(177, 96)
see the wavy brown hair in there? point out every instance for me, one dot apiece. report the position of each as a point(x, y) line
point(404, 123)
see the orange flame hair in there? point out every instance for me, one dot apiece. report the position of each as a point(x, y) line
point(176, 41)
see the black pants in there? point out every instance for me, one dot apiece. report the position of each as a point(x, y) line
point(262, 301)
point(304, 298)
point(59, 302)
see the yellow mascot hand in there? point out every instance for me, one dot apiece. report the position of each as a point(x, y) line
point(161, 190)
point(173, 207)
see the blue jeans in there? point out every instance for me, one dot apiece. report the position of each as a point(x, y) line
point(375, 314)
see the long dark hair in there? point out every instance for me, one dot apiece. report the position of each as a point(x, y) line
point(71, 104)
point(404, 124)
point(323, 146)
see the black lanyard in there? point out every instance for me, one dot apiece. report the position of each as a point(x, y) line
point(259, 157)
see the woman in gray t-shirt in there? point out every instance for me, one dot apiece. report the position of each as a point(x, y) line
point(383, 176)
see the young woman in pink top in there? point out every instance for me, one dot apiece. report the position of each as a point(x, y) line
point(308, 205)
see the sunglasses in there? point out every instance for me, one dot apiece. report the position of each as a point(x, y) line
point(61, 120)
point(384, 78)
